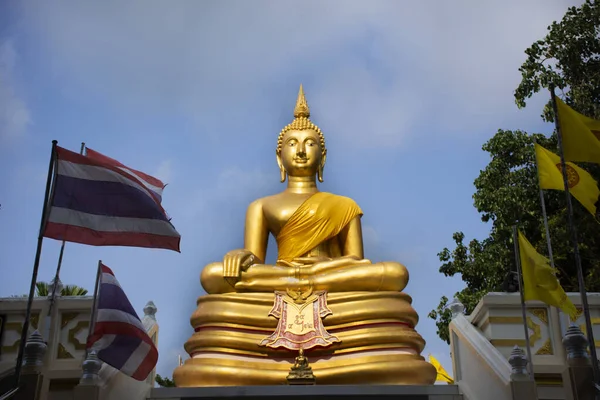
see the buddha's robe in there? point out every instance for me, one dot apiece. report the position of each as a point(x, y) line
point(319, 218)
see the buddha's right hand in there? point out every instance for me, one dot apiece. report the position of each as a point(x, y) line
point(235, 262)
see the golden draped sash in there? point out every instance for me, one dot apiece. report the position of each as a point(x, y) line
point(319, 218)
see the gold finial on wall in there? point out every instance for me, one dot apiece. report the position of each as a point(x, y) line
point(301, 109)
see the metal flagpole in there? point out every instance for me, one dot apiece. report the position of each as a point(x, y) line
point(574, 240)
point(94, 306)
point(545, 216)
point(60, 258)
point(36, 265)
point(523, 311)
point(543, 201)
point(548, 239)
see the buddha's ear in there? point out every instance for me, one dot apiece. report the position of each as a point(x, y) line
point(281, 169)
point(321, 167)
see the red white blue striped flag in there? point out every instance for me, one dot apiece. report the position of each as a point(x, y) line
point(150, 182)
point(119, 337)
point(100, 202)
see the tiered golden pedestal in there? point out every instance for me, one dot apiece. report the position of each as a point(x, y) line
point(378, 343)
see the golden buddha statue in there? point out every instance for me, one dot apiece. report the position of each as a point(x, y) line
point(320, 252)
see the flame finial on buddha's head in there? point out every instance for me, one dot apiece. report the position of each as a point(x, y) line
point(302, 122)
point(301, 110)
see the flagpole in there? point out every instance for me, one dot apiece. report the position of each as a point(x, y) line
point(94, 306)
point(60, 258)
point(523, 311)
point(548, 239)
point(36, 265)
point(574, 240)
point(544, 215)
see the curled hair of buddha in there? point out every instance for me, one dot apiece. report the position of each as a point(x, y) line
point(301, 122)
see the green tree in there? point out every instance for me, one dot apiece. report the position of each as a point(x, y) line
point(507, 191)
point(43, 289)
point(569, 58)
point(164, 382)
point(73, 290)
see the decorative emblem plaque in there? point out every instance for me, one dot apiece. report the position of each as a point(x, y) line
point(300, 321)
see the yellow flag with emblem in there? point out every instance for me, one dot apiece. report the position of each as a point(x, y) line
point(442, 375)
point(581, 184)
point(540, 281)
point(580, 134)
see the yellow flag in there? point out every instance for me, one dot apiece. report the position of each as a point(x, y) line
point(581, 184)
point(580, 134)
point(442, 375)
point(540, 281)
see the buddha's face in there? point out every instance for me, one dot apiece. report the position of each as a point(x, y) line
point(301, 152)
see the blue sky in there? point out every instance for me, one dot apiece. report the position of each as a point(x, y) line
point(196, 92)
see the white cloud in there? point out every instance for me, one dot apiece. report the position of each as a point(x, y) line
point(14, 114)
point(382, 66)
point(234, 183)
point(370, 236)
point(413, 255)
point(232, 188)
point(164, 171)
point(352, 104)
point(30, 177)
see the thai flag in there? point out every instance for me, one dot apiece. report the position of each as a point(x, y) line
point(100, 202)
point(119, 338)
point(150, 182)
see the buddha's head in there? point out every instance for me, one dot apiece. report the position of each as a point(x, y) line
point(301, 148)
